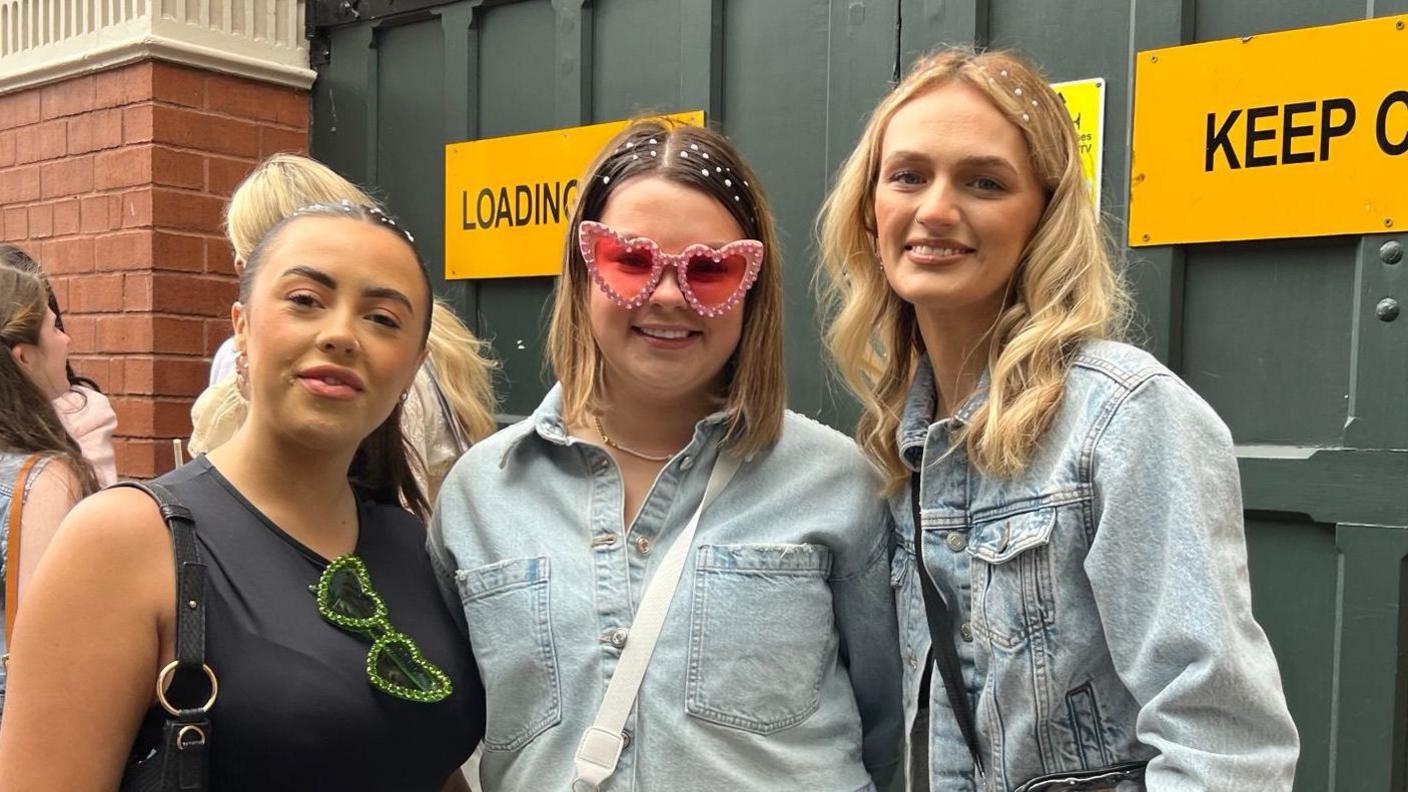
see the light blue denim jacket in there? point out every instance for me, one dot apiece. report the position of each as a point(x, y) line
point(1102, 607)
point(776, 668)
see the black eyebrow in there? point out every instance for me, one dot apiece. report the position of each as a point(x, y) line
point(373, 292)
point(317, 276)
point(384, 293)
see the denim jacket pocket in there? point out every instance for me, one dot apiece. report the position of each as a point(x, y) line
point(762, 633)
point(510, 628)
point(1013, 593)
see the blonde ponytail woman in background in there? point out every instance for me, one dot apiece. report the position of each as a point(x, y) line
point(1068, 510)
point(451, 404)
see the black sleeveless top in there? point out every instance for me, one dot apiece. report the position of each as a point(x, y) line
point(295, 709)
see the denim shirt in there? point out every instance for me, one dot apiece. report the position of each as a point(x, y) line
point(1100, 597)
point(776, 668)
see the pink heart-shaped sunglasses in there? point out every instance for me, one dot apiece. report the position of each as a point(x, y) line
point(712, 280)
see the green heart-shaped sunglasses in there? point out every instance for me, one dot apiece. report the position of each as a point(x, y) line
point(395, 665)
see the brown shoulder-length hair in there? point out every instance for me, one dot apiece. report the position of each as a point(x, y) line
point(701, 159)
point(28, 422)
point(381, 468)
point(1065, 289)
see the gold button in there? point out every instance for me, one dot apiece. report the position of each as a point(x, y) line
point(643, 545)
point(966, 630)
point(957, 541)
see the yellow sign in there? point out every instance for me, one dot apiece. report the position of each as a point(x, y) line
point(1292, 134)
point(508, 200)
point(1085, 101)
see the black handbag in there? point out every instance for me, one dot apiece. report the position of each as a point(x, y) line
point(945, 656)
point(179, 762)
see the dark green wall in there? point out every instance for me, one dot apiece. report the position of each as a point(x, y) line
point(1280, 336)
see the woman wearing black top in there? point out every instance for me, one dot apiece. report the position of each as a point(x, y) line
point(331, 326)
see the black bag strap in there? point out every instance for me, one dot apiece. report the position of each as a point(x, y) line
point(180, 760)
point(190, 575)
point(943, 651)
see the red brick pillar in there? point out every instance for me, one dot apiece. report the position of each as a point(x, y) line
point(116, 182)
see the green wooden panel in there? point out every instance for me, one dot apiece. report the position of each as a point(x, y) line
point(1266, 336)
point(1378, 387)
point(340, 103)
point(409, 130)
point(1295, 572)
point(1367, 721)
point(637, 58)
point(783, 133)
point(1219, 19)
point(515, 76)
point(516, 86)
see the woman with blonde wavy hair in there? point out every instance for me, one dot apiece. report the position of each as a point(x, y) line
point(1071, 569)
point(452, 402)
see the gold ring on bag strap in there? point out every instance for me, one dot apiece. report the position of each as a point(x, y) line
point(181, 743)
point(164, 678)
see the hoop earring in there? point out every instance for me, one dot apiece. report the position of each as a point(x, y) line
point(242, 373)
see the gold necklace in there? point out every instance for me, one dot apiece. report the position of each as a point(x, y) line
point(596, 419)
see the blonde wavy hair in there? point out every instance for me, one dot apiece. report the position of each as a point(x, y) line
point(463, 371)
point(284, 183)
point(1065, 289)
point(756, 386)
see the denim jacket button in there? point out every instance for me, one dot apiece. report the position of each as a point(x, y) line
point(686, 462)
point(957, 541)
point(618, 637)
point(642, 545)
point(966, 630)
point(625, 739)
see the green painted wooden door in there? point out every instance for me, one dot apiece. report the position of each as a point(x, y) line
point(1281, 337)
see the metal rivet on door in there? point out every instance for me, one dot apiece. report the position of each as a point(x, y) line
point(1391, 252)
point(1387, 309)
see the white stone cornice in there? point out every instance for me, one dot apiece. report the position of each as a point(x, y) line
point(42, 41)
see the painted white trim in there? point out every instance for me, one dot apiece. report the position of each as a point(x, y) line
point(42, 41)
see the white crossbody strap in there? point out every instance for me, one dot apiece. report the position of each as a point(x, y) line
point(601, 744)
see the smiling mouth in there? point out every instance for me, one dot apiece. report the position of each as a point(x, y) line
point(938, 252)
point(666, 334)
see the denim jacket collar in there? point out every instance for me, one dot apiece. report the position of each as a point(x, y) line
point(917, 418)
point(547, 423)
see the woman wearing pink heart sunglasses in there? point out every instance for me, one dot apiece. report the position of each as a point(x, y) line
point(665, 574)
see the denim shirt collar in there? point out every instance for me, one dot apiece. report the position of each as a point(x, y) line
point(917, 417)
point(547, 423)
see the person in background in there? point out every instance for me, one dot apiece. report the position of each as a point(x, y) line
point(42, 470)
point(1074, 504)
point(339, 665)
point(85, 412)
point(776, 667)
point(452, 403)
